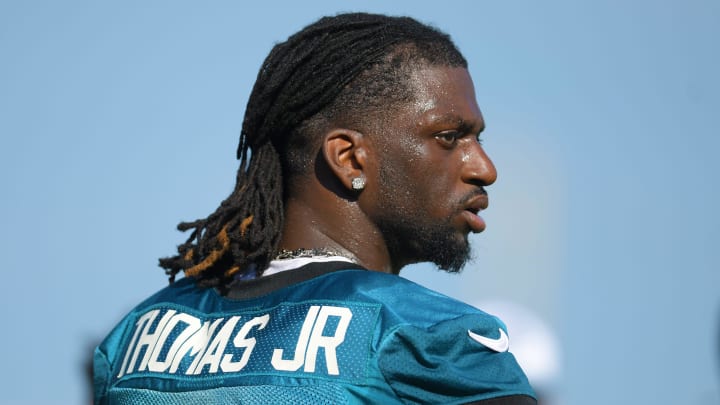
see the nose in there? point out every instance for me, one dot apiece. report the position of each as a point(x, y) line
point(478, 169)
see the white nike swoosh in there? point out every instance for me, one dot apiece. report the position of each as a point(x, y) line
point(500, 344)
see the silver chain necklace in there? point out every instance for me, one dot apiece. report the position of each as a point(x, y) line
point(316, 252)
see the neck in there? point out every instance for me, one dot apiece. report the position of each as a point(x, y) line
point(327, 222)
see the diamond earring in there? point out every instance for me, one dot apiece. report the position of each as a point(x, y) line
point(358, 183)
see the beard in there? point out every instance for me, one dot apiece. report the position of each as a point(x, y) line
point(412, 236)
point(415, 241)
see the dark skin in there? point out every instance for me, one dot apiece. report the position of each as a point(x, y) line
point(425, 171)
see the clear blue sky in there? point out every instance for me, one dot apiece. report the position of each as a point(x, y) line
point(118, 120)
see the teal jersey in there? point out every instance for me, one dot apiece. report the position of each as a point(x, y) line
point(340, 337)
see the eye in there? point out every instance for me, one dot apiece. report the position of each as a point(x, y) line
point(448, 138)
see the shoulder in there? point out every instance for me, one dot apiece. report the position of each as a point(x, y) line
point(434, 348)
point(183, 295)
point(404, 301)
point(184, 292)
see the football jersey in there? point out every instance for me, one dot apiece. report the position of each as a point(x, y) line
point(326, 333)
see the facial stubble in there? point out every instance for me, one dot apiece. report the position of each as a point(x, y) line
point(411, 235)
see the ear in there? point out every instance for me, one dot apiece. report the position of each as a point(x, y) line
point(346, 154)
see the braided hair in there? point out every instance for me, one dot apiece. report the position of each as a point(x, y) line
point(336, 69)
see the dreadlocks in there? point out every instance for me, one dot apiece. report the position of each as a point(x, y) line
point(337, 69)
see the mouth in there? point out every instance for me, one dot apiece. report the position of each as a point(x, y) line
point(473, 206)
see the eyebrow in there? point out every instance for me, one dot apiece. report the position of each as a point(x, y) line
point(460, 123)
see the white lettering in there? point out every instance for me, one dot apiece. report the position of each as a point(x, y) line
point(147, 318)
point(328, 343)
point(192, 325)
point(168, 341)
point(150, 339)
point(293, 365)
point(241, 340)
point(147, 339)
point(215, 350)
point(194, 345)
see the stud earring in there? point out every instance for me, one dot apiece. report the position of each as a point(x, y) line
point(358, 183)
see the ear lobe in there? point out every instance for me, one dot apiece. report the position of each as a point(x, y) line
point(346, 154)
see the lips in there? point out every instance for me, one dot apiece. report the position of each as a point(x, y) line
point(473, 206)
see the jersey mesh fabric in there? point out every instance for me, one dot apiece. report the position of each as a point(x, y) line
point(253, 395)
point(403, 343)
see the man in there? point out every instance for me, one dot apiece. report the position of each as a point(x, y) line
point(359, 154)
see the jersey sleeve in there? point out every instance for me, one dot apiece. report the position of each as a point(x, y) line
point(101, 377)
point(456, 361)
point(104, 360)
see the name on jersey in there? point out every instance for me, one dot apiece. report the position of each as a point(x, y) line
point(299, 338)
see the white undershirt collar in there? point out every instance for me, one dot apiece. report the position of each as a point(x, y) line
point(278, 266)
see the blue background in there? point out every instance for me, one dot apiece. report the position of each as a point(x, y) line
point(118, 120)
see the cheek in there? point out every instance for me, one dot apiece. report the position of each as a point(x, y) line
point(429, 175)
point(403, 161)
point(412, 155)
point(438, 193)
point(418, 179)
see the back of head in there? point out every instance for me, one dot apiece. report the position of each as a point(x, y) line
point(335, 70)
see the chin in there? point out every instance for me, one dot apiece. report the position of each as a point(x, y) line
point(443, 243)
point(454, 258)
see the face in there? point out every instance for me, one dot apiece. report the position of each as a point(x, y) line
point(427, 186)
